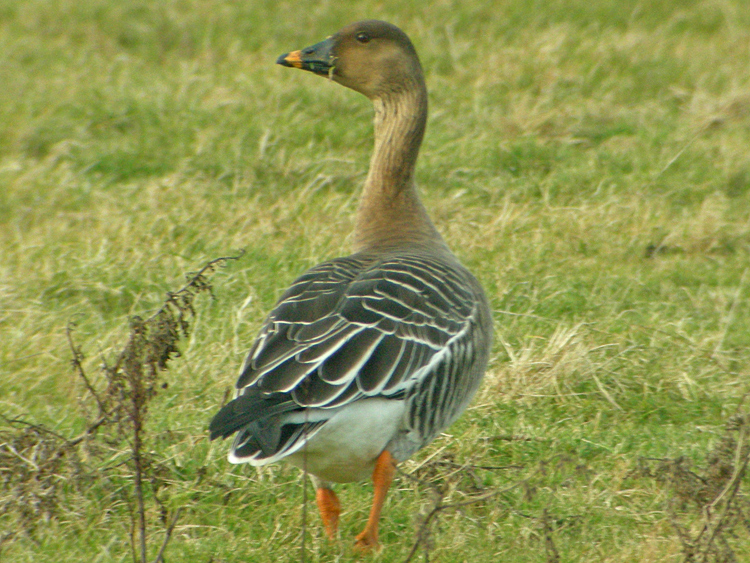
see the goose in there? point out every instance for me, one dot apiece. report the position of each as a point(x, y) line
point(366, 358)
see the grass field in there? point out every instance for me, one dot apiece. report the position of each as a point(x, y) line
point(588, 160)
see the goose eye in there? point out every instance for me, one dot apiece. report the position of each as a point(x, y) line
point(362, 37)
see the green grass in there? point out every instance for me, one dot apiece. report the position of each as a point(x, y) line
point(587, 160)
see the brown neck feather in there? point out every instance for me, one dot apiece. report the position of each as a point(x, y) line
point(390, 213)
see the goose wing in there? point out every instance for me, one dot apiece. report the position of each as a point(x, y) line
point(356, 327)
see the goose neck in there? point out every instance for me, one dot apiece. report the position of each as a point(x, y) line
point(400, 121)
point(390, 212)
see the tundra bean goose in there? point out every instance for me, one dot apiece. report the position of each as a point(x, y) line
point(366, 358)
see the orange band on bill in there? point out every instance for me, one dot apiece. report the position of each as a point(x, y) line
point(294, 59)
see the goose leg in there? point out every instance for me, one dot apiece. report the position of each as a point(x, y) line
point(382, 476)
point(330, 508)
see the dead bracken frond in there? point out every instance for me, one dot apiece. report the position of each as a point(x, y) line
point(132, 382)
point(709, 507)
point(455, 487)
point(37, 463)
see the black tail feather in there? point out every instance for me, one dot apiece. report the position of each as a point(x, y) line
point(247, 409)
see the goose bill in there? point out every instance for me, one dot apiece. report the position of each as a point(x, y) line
point(317, 58)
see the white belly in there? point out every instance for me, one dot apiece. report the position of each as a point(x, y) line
point(346, 448)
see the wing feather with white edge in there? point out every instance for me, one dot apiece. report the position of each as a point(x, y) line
point(405, 327)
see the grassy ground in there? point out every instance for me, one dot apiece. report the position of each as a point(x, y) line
point(588, 160)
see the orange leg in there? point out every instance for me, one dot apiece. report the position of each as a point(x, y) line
point(382, 476)
point(330, 508)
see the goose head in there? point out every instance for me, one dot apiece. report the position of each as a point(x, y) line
point(372, 57)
